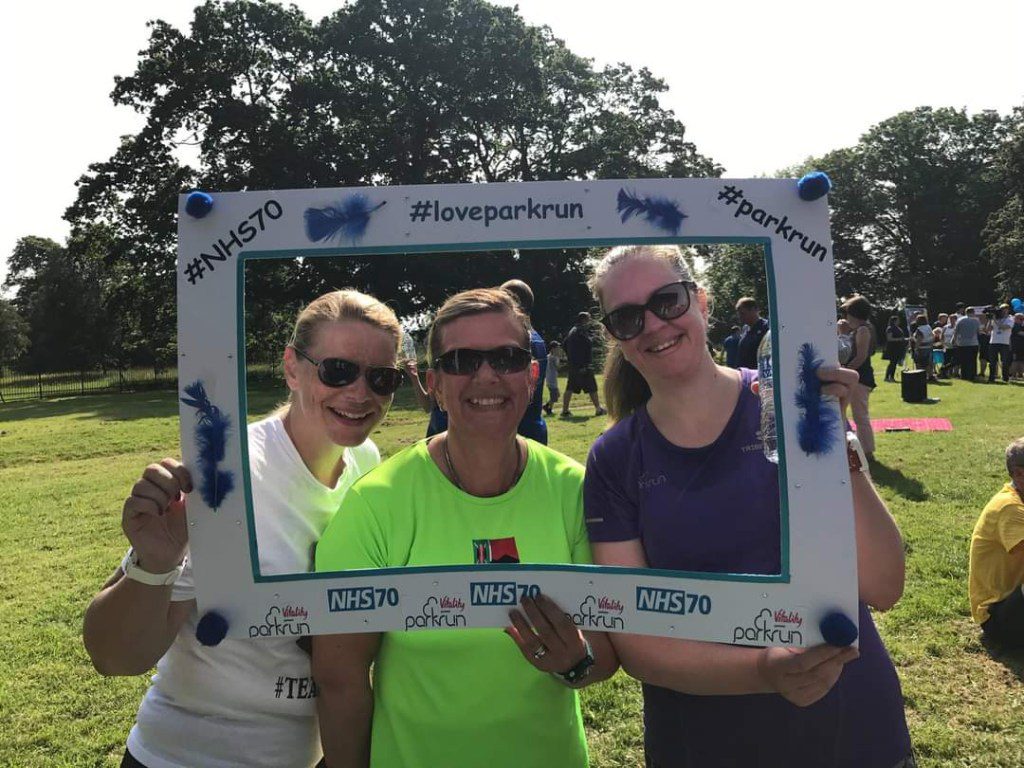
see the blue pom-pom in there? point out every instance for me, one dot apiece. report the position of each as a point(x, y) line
point(838, 629)
point(211, 629)
point(198, 204)
point(814, 185)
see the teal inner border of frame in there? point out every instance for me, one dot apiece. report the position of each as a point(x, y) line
point(243, 257)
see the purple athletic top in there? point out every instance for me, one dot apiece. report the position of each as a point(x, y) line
point(716, 509)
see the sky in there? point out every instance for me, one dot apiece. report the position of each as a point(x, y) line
point(760, 86)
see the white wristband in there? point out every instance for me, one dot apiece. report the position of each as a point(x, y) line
point(130, 566)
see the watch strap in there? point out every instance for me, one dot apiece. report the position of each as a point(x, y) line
point(855, 455)
point(132, 570)
point(582, 668)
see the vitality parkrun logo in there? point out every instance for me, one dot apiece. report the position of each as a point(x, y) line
point(438, 613)
point(599, 613)
point(772, 627)
point(289, 621)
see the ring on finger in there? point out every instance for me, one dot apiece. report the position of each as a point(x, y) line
point(540, 653)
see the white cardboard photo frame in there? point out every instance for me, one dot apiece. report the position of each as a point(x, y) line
point(819, 570)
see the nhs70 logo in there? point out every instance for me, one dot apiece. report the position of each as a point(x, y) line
point(361, 598)
point(671, 601)
point(500, 592)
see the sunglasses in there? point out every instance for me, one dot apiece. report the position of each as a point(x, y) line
point(338, 372)
point(667, 303)
point(466, 362)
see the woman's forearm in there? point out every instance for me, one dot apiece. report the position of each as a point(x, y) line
point(128, 626)
point(690, 666)
point(880, 556)
point(346, 714)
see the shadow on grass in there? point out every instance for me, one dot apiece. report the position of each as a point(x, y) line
point(128, 406)
point(908, 487)
point(1011, 658)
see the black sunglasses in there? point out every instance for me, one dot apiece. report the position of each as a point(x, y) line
point(338, 372)
point(667, 303)
point(466, 362)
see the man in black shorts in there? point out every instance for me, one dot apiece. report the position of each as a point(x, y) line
point(579, 354)
point(997, 558)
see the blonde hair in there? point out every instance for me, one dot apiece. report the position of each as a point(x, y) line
point(336, 307)
point(625, 389)
point(477, 301)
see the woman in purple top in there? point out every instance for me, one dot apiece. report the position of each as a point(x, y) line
point(680, 482)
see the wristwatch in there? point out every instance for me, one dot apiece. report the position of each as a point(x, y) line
point(855, 454)
point(581, 670)
point(130, 566)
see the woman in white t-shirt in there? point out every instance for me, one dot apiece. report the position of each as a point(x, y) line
point(247, 702)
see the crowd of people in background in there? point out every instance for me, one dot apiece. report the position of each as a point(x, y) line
point(970, 343)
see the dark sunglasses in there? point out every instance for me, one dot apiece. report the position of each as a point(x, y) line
point(338, 372)
point(667, 303)
point(466, 362)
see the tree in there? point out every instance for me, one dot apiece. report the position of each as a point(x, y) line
point(909, 206)
point(13, 333)
point(1004, 233)
point(732, 272)
point(60, 297)
point(381, 92)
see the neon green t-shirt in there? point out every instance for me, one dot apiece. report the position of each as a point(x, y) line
point(463, 697)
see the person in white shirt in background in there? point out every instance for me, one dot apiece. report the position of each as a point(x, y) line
point(248, 702)
point(999, 345)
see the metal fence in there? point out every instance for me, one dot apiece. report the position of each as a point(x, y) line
point(16, 385)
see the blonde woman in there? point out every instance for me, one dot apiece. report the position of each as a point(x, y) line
point(679, 482)
point(223, 705)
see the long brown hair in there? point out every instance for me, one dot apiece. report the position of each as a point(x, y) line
point(625, 389)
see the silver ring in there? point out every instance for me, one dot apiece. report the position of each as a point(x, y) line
point(540, 653)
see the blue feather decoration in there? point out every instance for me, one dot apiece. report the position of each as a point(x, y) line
point(658, 211)
point(211, 442)
point(818, 426)
point(347, 219)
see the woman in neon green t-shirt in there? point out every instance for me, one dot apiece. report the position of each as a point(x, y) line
point(477, 493)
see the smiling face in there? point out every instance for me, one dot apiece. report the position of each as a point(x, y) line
point(339, 415)
point(665, 348)
point(484, 402)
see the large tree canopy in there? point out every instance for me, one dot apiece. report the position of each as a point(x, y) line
point(1005, 231)
point(910, 203)
point(381, 92)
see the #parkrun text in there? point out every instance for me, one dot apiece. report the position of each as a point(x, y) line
point(435, 211)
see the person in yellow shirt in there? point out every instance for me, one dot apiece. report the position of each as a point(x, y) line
point(997, 558)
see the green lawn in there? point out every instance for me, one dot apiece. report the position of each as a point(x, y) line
point(65, 466)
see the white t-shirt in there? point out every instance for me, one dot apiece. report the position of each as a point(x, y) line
point(248, 702)
point(1001, 329)
point(551, 372)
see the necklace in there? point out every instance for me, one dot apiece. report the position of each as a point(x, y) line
point(455, 475)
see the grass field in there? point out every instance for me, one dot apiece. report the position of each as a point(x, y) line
point(65, 466)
